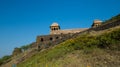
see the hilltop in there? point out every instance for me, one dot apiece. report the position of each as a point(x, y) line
point(99, 47)
point(94, 50)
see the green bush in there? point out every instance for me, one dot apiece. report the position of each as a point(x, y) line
point(4, 59)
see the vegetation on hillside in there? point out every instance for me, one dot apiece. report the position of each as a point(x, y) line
point(86, 49)
point(5, 59)
point(16, 51)
point(86, 46)
point(22, 49)
point(25, 47)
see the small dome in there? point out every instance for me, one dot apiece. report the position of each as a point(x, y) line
point(55, 24)
point(97, 21)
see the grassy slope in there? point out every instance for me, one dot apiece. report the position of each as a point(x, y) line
point(86, 50)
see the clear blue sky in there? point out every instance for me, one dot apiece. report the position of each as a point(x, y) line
point(22, 20)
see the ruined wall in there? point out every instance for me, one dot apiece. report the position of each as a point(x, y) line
point(107, 25)
point(101, 27)
point(68, 31)
point(51, 40)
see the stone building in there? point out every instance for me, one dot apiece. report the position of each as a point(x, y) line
point(96, 23)
point(55, 29)
point(56, 36)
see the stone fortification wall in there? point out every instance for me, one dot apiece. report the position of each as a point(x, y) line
point(68, 31)
point(107, 25)
point(51, 40)
point(101, 27)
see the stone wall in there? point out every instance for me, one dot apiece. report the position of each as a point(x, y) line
point(68, 31)
point(51, 40)
point(46, 41)
point(107, 25)
point(101, 27)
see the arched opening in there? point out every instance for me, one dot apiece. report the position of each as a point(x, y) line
point(51, 38)
point(54, 28)
point(42, 39)
point(57, 37)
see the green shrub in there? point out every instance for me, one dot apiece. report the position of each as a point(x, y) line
point(4, 59)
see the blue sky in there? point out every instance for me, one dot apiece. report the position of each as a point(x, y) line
point(22, 20)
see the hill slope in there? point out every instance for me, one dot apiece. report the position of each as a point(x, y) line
point(87, 50)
